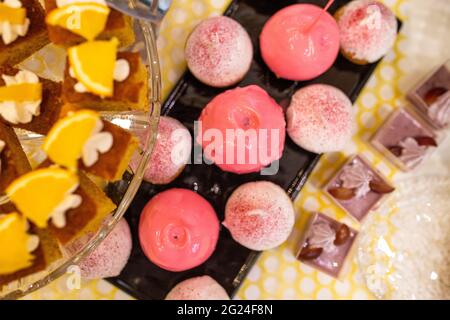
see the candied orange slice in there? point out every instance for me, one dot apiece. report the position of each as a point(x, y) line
point(21, 92)
point(64, 143)
point(85, 19)
point(93, 64)
point(14, 240)
point(12, 15)
point(37, 194)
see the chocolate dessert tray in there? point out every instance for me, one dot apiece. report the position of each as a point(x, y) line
point(230, 262)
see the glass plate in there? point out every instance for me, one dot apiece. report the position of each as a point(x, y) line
point(121, 192)
point(404, 248)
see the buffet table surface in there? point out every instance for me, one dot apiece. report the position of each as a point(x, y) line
point(422, 44)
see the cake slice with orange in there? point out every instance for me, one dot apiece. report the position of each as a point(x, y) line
point(13, 161)
point(86, 218)
point(96, 146)
point(25, 249)
point(28, 101)
point(61, 201)
point(22, 30)
point(97, 77)
point(16, 243)
point(71, 22)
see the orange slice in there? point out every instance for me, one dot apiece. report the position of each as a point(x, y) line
point(93, 64)
point(12, 15)
point(21, 92)
point(38, 193)
point(14, 255)
point(73, 130)
point(85, 19)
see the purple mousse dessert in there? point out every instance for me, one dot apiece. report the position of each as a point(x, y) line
point(432, 97)
point(358, 188)
point(405, 139)
point(326, 245)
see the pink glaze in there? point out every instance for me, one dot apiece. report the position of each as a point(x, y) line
point(320, 118)
point(219, 52)
point(178, 230)
point(295, 49)
point(110, 257)
point(254, 113)
point(259, 215)
point(198, 288)
point(368, 30)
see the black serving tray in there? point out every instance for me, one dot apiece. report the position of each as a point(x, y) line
point(230, 262)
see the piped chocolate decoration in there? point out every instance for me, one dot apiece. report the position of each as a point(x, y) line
point(356, 177)
point(322, 235)
point(439, 111)
point(422, 141)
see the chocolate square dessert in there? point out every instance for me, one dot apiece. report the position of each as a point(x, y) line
point(117, 25)
point(24, 38)
point(327, 245)
point(358, 188)
point(13, 161)
point(129, 94)
point(405, 139)
point(432, 96)
point(40, 119)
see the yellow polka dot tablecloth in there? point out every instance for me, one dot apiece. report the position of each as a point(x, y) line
point(422, 44)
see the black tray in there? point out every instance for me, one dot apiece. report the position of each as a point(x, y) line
point(230, 262)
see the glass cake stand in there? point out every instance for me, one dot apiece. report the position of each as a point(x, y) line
point(121, 192)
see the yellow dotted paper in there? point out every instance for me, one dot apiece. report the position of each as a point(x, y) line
point(277, 274)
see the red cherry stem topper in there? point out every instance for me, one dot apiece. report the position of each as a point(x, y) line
point(328, 5)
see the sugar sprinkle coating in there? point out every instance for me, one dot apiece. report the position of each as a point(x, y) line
point(198, 288)
point(320, 118)
point(171, 153)
point(259, 215)
point(219, 52)
point(111, 256)
point(368, 30)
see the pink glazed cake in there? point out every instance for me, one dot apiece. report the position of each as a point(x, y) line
point(300, 42)
point(251, 126)
point(178, 230)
